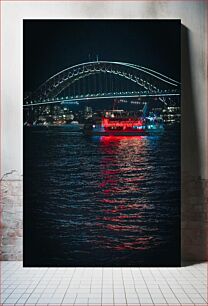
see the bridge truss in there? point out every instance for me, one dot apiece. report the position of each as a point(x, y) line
point(101, 80)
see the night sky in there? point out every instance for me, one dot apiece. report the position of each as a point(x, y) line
point(53, 45)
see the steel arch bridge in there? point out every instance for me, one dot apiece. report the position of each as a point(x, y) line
point(103, 79)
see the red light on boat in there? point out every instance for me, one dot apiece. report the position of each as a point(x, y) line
point(107, 123)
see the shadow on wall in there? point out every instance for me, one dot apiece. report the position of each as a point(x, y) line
point(193, 203)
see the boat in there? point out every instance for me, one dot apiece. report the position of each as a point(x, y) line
point(124, 123)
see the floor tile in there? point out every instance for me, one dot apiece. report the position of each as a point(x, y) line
point(106, 286)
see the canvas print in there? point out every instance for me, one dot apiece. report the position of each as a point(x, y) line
point(101, 124)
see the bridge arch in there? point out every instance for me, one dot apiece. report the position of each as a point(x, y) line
point(143, 77)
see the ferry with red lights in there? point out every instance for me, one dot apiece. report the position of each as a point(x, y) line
point(124, 123)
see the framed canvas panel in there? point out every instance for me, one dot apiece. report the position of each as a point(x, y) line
point(101, 117)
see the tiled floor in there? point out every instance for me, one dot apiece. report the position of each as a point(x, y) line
point(103, 286)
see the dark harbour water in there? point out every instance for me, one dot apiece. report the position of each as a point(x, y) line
point(101, 201)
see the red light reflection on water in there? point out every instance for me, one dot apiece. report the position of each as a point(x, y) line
point(123, 207)
point(142, 243)
point(121, 139)
point(117, 162)
point(122, 171)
